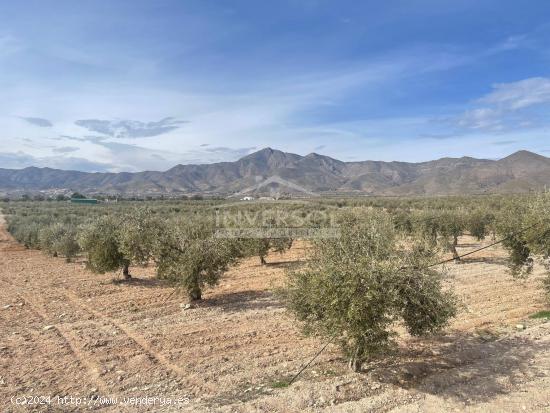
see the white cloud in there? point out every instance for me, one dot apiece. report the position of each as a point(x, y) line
point(121, 128)
point(482, 118)
point(519, 95)
point(43, 123)
point(510, 106)
point(510, 43)
point(18, 160)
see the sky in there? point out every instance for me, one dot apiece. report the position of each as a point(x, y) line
point(98, 85)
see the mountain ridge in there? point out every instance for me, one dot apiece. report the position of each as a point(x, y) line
point(519, 172)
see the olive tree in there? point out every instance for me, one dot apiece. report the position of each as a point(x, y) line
point(451, 226)
point(67, 244)
point(509, 224)
point(116, 242)
point(442, 228)
point(192, 257)
point(47, 237)
point(357, 286)
point(525, 227)
point(261, 246)
point(427, 225)
point(139, 233)
point(23, 228)
point(538, 233)
point(479, 223)
point(59, 239)
point(403, 221)
point(100, 241)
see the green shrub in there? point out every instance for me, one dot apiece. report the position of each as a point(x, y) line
point(67, 244)
point(58, 239)
point(357, 286)
point(100, 242)
point(260, 247)
point(192, 257)
point(139, 233)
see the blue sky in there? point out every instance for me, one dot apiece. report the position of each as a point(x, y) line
point(143, 85)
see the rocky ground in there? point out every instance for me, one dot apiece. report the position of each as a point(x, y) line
point(65, 332)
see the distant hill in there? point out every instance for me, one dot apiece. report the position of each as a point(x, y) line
point(272, 170)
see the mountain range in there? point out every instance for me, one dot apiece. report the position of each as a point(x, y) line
point(269, 169)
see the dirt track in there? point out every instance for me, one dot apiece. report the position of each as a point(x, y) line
point(67, 332)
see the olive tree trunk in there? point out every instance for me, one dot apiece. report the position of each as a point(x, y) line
point(194, 290)
point(453, 248)
point(356, 360)
point(126, 271)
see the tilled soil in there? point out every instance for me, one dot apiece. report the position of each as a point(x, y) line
point(65, 332)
